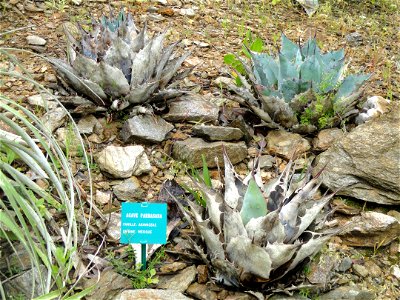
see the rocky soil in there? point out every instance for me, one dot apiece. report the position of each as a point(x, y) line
point(135, 154)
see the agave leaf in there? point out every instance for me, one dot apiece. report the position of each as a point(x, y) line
point(139, 41)
point(232, 225)
point(226, 272)
point(171, 68)
point(119, 56)
point(286, 70)
point(311, 71)
point(308, 249)
point(266, 229)
point(309, 216)
point(280, 110)
point(84, 86)
point(141, 93)
point(111, 79)
point(251, 258)
point(310, 48)
point(164, 60)
point(290, 88)
point(212, 240)
point(140, 65)
point(350, 85)
point(155, 55)
point(254, 204)
point(266, 69)
point(281, 253)
point(214, 202)
point(288, 48)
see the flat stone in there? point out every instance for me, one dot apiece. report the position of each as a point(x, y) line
point(265, 162)
point(373, 269)
point(201, 291)
point(35, 40)
point(129, 189)
point(43, 100)
point(179, 282)
point(54, 118)
point(192, 108)
point(113, 230)
point(217, 133)
point(202, 274)
point(360, 270)
point(326, 138)
point(192, 149)
point(145, 128)
point(123, 162)
point(89, 124)
point(371, 229)
point(146, 294)
point(283, 143)
point(108, 286)
point(348, 293)
point(172, 267)
point(321, 270)
point(365, 163)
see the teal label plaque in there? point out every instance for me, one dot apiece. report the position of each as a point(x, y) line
point(143, 223)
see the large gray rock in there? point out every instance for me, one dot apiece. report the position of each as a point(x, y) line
point(43, 100)
point(145, 128)
point(192, 149)
point(365, 164)
point(217, 133)
point(54, 118)
point(129, 189)
point(123, 162)
point(27, 284)
point(348, 293)
point(146, 294)
point(89, 124)
point(192, 108)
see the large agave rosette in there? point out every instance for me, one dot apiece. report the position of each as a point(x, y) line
point(254, 233)
point(116, 64)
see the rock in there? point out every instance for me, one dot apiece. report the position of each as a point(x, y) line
point(179, 282)
point(284, 143)
point(172, 267)
point(123, 162)
point(35, 40)
point(187, 12)
point(69, 140)
point(54, 118)
point(145, 128)
point(372, 108)
point(354, 39)
point(192, 108)
point(321, 270)
point(326, 138)
point(396, 271)
point(373, 269)
point(365, 163)
point(341, 206)
point(266, 162)
point(394, 214)
point(192, 149)
point(77, 2)
point(103, 197)
point(345, 264)
point(370, 229)
point(113, 222)
point(128, 190)
point(89, 124)
point(286, 297)
point(201, 291)
point(43, 100)
point(217, 133)
point(146, 294)
point(360, 270)
point(202, 274)
point(22, 286)
point(348, 293)
point(108, 286)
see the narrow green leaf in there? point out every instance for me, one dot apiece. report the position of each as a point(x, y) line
point(206, 173)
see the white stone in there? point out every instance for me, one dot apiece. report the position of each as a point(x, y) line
point(35, 40)
point(123, 162)
point(43, 100)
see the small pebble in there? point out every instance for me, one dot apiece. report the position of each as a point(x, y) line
point(36, 40)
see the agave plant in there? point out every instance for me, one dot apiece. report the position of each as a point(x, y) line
point(256, 234)
point(116, 64)
point(301, 87)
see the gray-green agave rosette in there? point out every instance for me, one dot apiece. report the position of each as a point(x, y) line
point(253, 233)
point(116, 64)
point(300, 87)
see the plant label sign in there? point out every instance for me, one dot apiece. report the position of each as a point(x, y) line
point(144, 223)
